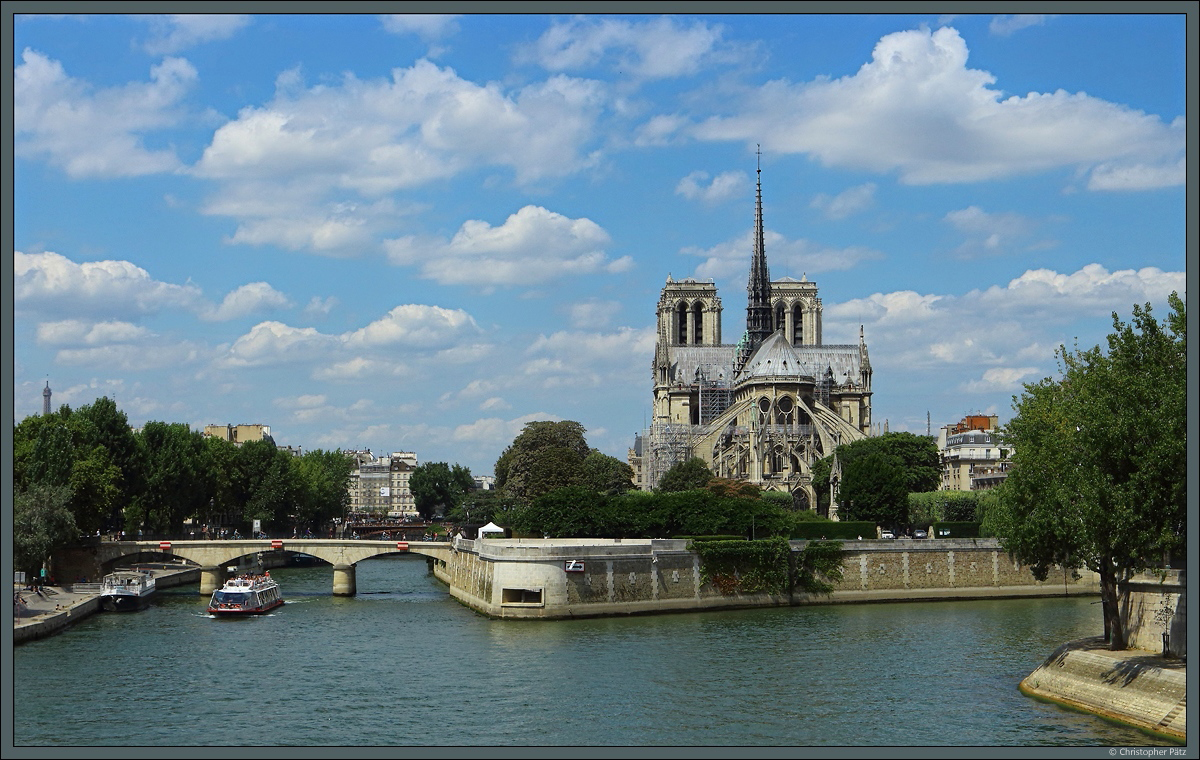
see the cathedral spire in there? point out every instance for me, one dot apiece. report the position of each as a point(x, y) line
point(758, 288)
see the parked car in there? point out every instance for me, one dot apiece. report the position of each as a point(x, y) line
point(920, 534)
point(887, 534)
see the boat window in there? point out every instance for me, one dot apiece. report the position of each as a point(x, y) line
point(226, 597)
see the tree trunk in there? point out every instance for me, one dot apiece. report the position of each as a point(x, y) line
point(1114, 632)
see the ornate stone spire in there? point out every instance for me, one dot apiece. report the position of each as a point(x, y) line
point(46, 400)
point(758, 288)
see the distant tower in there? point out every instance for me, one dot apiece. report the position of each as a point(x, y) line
point(46, 400)
point(758, 288)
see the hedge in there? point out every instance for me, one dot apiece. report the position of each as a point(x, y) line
point(957, 530)
point(834, 530)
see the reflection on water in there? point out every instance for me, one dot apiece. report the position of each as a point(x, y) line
point(402, 663)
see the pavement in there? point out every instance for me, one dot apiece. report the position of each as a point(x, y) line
point(51, 601)
point(1134, 686)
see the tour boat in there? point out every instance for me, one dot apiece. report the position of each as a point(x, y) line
point(246, 595)
point(126, 590)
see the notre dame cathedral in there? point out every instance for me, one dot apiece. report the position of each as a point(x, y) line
point(763, 409)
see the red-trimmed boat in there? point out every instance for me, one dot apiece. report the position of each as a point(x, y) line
point(246, 595)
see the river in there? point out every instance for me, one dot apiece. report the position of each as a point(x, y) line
point(404, 664)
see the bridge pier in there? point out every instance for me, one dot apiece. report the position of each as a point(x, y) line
point(211, 579)
point(344, 583)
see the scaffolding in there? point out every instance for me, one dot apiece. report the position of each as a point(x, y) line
point(714, 391)
point(669, 444)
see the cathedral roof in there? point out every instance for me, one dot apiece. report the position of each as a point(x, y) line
point(776, 358)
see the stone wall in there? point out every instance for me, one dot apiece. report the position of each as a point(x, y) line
point(1154, 605)
point(536, 578)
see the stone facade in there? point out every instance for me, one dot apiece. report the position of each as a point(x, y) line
point(529, 578)
point(763, 409)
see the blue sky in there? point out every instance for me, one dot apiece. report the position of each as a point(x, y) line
point(420, 233)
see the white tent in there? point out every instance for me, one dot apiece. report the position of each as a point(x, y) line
point(491, 528)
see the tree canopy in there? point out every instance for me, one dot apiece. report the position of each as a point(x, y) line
point(686, 475)
point(1099, 474)
point(544, 457)
point(915, 455)
point(438, 487)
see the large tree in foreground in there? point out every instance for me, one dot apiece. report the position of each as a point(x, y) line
point(1099, 476)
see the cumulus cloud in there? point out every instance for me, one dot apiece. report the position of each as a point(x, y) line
point(131, 357)
point(171, 33)
point(359, 368)
point(320, 307)
point(917, 109)
point(276, 343)
point(1006, 328)
point(588, 359)
point(1004, 26)
point(532, 247)
point(726, 185)
point(81, 333)
point(787, 257)
point(846, 203)
point(993, 233)
point(428, 26)
point(659, 49)
point(593, 313)
point(53, 284)
point(309, 169)
point(90, 132)
point(414, 325)
point(248, 299)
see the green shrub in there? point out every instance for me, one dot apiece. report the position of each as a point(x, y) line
point(832, 529)
point(957, 530)
point(745, 567)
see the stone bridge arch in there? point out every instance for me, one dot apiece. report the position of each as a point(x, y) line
point(212, 557)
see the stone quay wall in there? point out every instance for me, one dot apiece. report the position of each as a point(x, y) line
point(1157, 604)
point(564, 578)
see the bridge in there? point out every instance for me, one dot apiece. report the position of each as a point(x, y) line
point(214, 556)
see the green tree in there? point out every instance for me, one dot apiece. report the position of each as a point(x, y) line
point(1099, 474)
point(438, 487)
point(101, 423)
point(322, 489)
point(685, 476)
point(605, 474)
point(42, 522)
point(875, 488)
point(271, 484)
point(177, 484)
point(545, 456)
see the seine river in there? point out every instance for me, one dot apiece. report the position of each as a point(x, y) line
point(404, 664)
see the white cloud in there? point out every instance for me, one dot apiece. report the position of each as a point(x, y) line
point(96, 133)
point(993, 233)
point(320, 307)
point(533, 246)
point(248, 299)
point(916, 109)
point(1137, 176)
point(787, 257)
point(660, 130)
point(276, 343)
point(309, 169)
point(588, 359)
point(175, 32)
point(359, 368)
point(593, 313)
point(1003, 26)
point(415, 325)
point(496, 403)
point(658, 49)
point(129, 357)
point(1001, 379)
point(80, 333)
point(428, 26)
point(53, 284)
point(723, 187)
point(846, 203)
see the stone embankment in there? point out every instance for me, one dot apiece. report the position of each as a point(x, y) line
point(1135, 687)
point(37, 616)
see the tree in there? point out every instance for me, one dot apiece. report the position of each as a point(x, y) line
point(605, 474)
point(875, 488)
point(436, 487)
point(322, 488)
point(684, 476)
point(917, 455)
point(544, 457)
point(1099, 474)
point(271, 486)
point(42, 522)
point(177, 485)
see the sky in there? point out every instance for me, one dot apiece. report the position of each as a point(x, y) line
point(419, 233)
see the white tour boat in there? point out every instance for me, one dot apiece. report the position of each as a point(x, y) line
point(126, 590)
point(246, 595)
